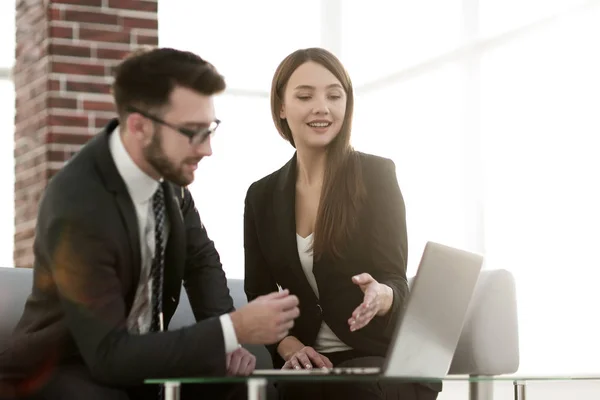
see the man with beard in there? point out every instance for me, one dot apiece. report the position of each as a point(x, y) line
point(117, 234)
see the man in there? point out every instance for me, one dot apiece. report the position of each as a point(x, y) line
point(116, 235)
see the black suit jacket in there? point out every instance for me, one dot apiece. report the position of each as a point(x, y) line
point(86, 271)
point(378, 247)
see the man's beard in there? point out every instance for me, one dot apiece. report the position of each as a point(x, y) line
point(157, 158)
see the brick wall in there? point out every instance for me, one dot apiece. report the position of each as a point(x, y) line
point(64, 55)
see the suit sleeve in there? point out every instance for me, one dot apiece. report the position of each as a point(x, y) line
point(258, 280)
point(389, 248)
point(204, 278)
point(82, 256)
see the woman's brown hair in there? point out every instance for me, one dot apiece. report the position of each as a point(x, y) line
point(343, 188)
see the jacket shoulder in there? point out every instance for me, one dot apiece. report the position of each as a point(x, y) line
point(373, 161)
point(374, 168)
point(77, 193)
point(264, 186)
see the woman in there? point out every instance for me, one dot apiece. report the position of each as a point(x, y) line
point(330, 227)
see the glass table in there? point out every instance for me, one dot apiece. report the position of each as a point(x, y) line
point(480, 387)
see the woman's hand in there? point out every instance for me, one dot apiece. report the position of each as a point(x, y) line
point(377, 301)
point(307, 358)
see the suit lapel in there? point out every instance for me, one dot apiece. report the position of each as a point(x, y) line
point(176, 245)
point(129, 217)
point(116, 185)
point(175, 251)
point(285, 216)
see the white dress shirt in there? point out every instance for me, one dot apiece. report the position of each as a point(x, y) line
point(141, 188)
point(327, 341)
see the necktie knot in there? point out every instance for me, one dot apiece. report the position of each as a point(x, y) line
point(158, 198)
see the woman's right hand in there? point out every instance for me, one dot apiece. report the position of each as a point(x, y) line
point(307, 358)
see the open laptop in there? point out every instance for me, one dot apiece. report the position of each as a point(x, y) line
point(427, 333)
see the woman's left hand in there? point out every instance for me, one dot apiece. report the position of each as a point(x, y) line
point(377, 301)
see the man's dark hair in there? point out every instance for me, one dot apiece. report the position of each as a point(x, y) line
point(146, 78)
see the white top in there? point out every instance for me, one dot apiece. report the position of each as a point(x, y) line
point(327, 341)
point(141, 188)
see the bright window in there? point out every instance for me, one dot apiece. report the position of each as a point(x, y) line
point(382, 37)
point(419, 124)
point(245, 40)
point(246, 148)
point(495, 145)
point(501, 16)
point(540, 102)
point(7, 33)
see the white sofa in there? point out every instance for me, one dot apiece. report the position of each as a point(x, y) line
point(488, 345)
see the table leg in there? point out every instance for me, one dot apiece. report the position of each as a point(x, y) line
point(481, 390)
point(257, 388)
point(519, 390)
point(172, 390)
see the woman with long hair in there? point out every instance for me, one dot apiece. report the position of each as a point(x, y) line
point(329, 226)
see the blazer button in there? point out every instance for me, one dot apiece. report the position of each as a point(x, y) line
point(319, 309)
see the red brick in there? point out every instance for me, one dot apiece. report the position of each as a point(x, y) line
point(61, 32)
point(129, 22)
point(90, 17)
point(55, 14)
point(69, 120)
point(111, 54)
point(30, 173)
point(31, 180)
point(146, 40)
point(88, 87)
point(70, 50)
point(98, 106)
point(24, 235)
point(38, 127)
point(61, 102)
point(29, 162)
point(138, 5)
point(54, 85)
point(51, 172)
point(101, 122)
point(104, 35)
point(77, 69)
point(33, 107)
point(69, 138)
point(89, 3)
point(59, 155)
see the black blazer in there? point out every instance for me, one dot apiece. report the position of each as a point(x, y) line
point(378, 247)
point(86, 272)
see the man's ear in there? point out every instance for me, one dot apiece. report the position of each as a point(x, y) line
point(135, 126)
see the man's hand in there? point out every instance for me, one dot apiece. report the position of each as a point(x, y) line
point(267, 319)
point(240, 363)
point(377, 301)
point(307, 358)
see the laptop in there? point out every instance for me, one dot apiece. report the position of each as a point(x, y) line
point(427, 333)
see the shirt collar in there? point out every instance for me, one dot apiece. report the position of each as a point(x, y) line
point(141, 187)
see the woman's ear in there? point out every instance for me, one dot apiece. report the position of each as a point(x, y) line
point(282, 112)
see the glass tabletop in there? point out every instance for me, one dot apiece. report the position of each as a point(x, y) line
point(277, 376)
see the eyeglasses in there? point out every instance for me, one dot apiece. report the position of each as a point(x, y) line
point(196, 136)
